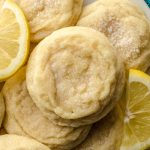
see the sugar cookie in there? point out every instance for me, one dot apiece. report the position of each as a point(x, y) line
point(46, 16)
point(105, 134)
point(75, 74)
point(126, 27)
point(25, 115)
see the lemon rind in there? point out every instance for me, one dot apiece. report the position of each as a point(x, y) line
point(139, 76)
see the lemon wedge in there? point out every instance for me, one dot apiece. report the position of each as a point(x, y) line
point(137, 114)
point(14, 39)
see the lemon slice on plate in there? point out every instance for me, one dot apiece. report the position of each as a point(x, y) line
point(137, 115)
point(14, 39)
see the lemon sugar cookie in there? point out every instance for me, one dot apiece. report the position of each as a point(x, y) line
point(46, 16)
point(105, 134)
point(126, 27)
point(24, 118)
point(74, 76)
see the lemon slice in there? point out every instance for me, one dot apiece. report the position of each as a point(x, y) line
point(137, 115)
point(14, 39)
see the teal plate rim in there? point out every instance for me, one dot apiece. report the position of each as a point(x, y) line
point(148, 2)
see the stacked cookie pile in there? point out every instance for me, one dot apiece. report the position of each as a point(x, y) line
point(66, 95)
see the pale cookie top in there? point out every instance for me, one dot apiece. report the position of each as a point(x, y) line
point(31, 121)
point(2, 108)
point(74, 73)
point(46, 16)
point(105, 134)
point(126, 27)
point(15, 142)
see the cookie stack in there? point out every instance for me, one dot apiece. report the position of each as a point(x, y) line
point(75, 76)
point(62, 91)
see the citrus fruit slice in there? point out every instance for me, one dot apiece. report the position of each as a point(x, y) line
point(137, 115)
point(14, 39)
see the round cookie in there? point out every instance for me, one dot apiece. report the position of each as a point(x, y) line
point(2, 109)
point(46, 16)
point(126, 27)
point(74, 76)
point(29, 121)
point(15, 142)
point(105, 134)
